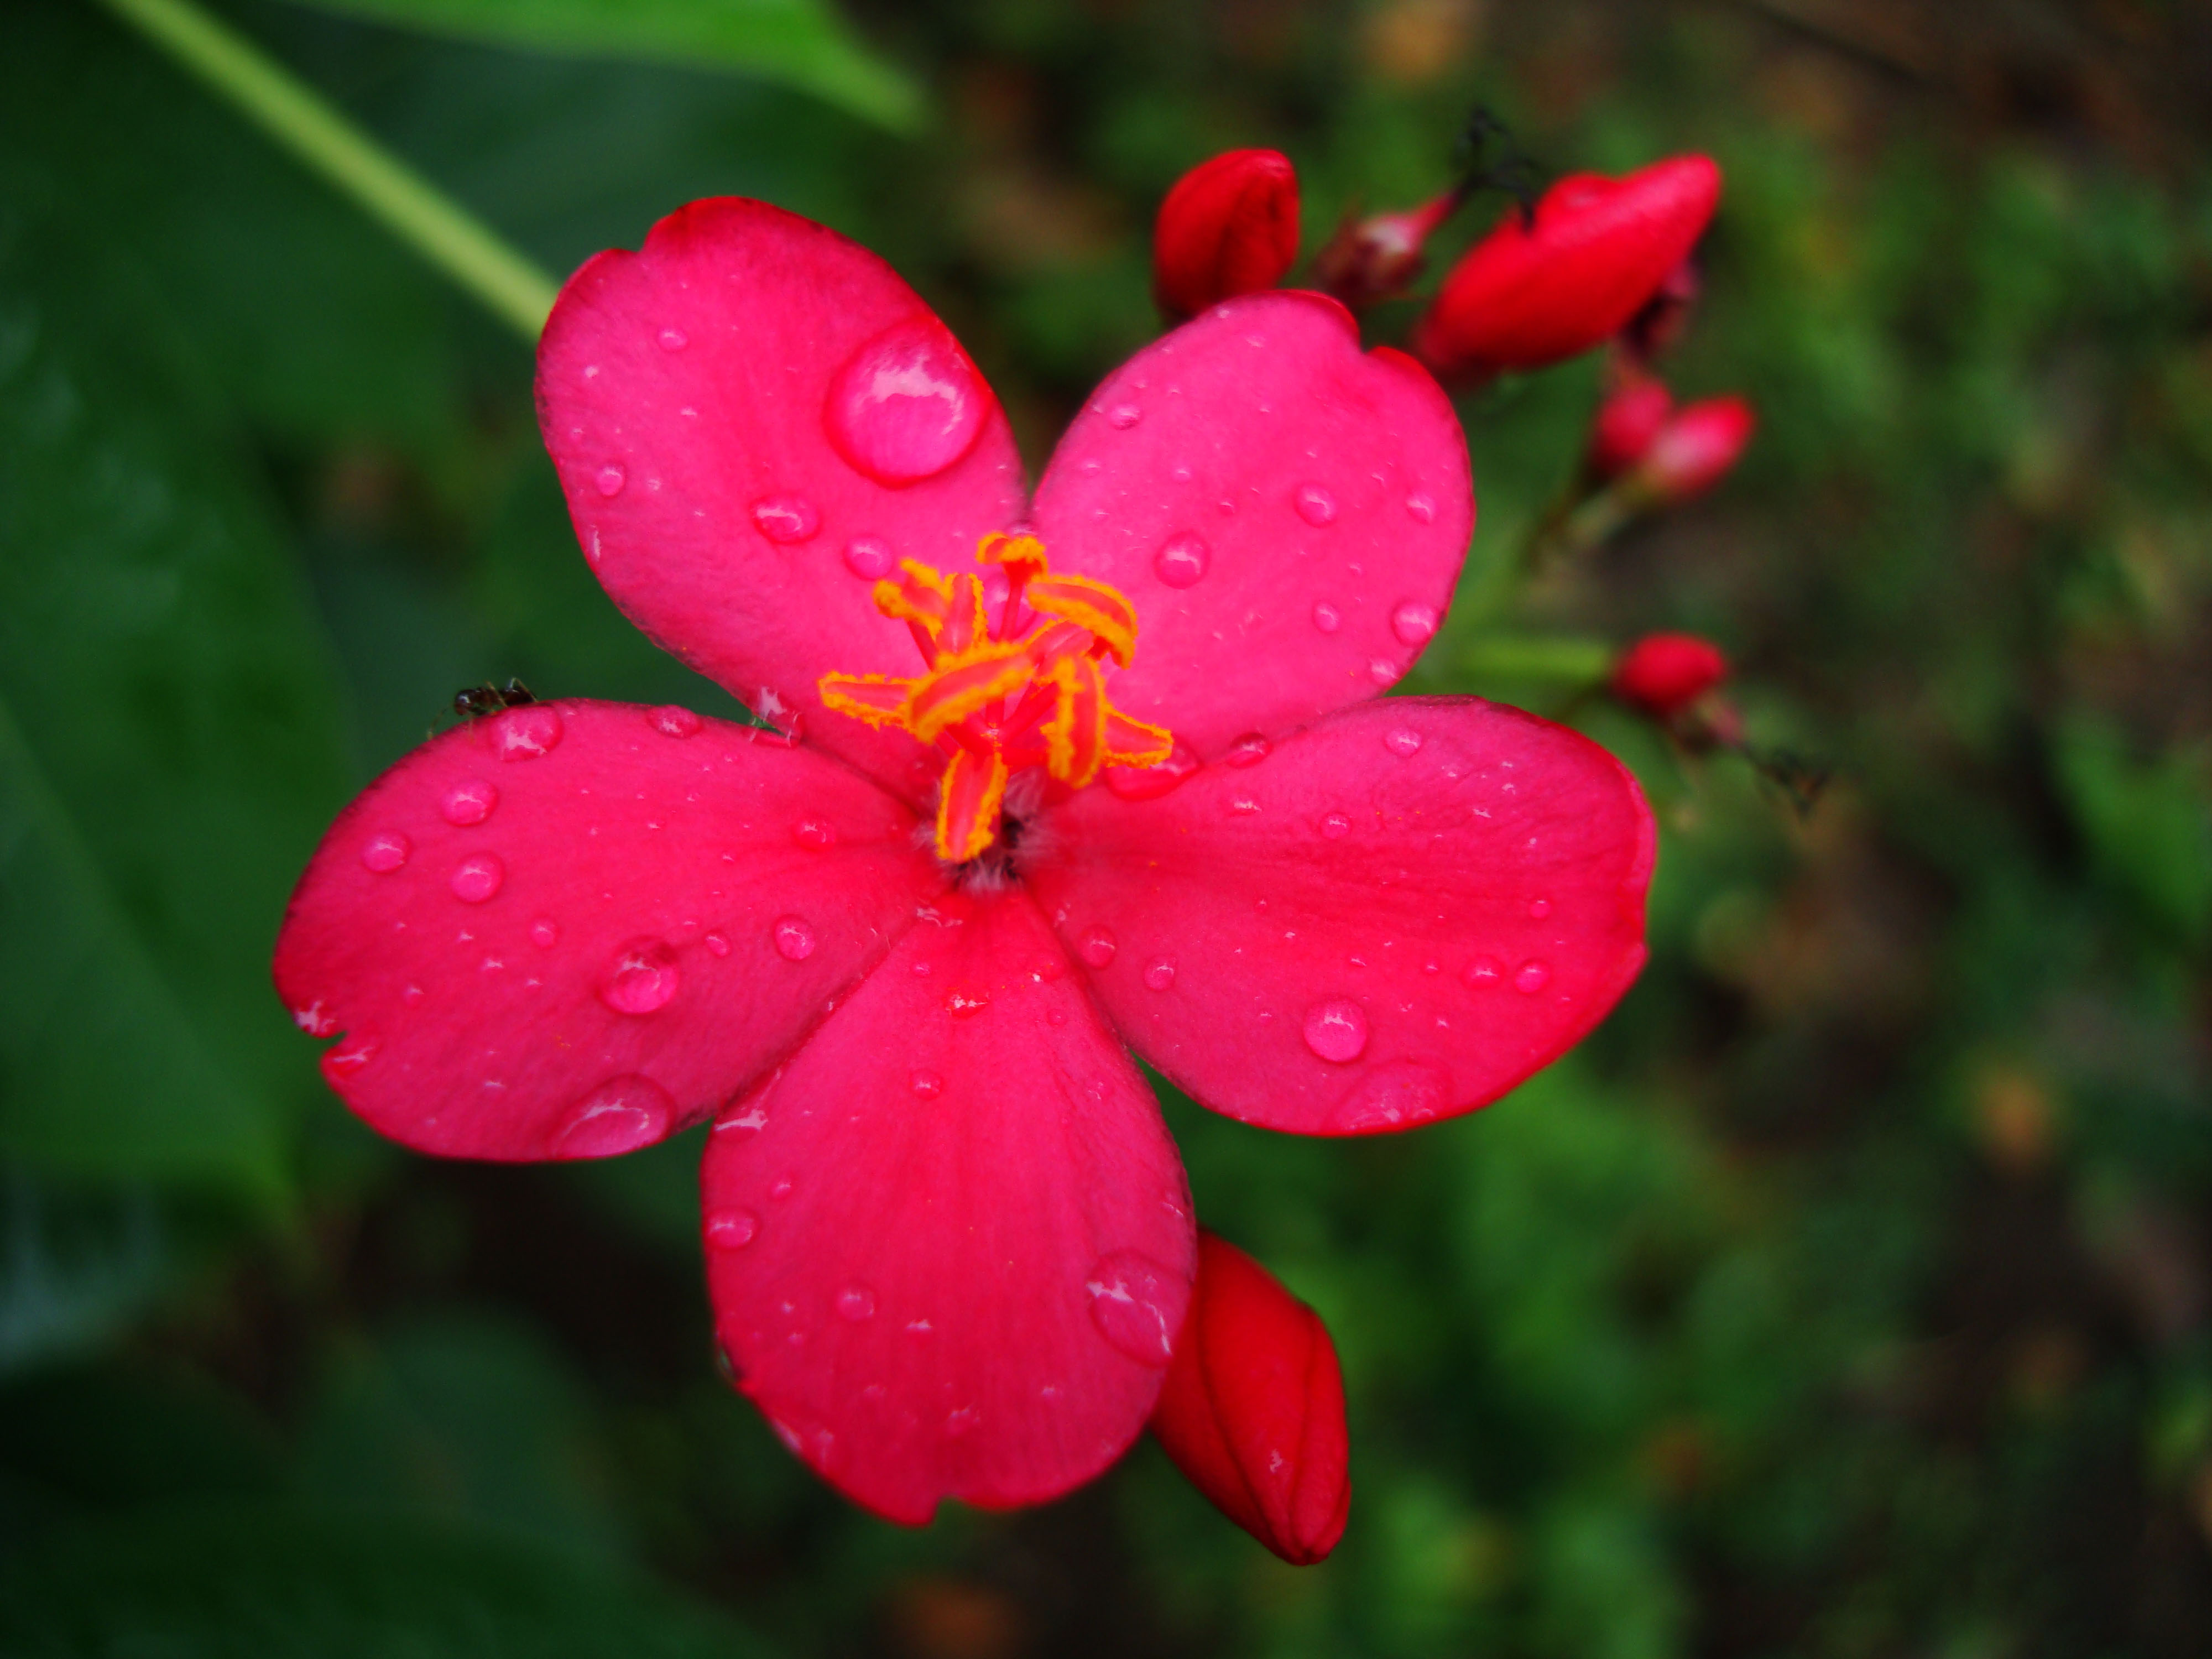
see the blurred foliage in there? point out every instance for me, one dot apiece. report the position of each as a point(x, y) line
point(1849, 1294)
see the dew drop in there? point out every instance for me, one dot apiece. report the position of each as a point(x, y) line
point(1382, 671)
point(524, 734)
point(1326, 618)
point(781, 1187)
point(731, 1230)
point(1402, 741)
point(1421, 507)
point(1484, 972)
point(1531, 977)
point(1159, 974)
point(1538, 908)
point(316, 1020)
point(1413, 624)
point(1097, 947)
point(610, 479)
point(544, 933)
point(671, 722)
point(962, 1421)
point(1395, 1095)
point(785, 519)
point(856, 1303)
point(716, 946)
point(477, 877)
point(1151, 782)
point(1315, 505)
point(927, 1086)
point(671, 340)
point(1138, 1305)
point(622, 1115)
point(1336, 826)
point(1123, 416)
point(468, 803)
point(641, 978)
point(1248, 751)
point(413, 997)
point(794, 938)
point(385, 851)
point(907, 404)
point(966, 1005)
point(869, 558)
point(1183, 560)
point(814, 834)
point(1337, 1030)
point(348, 1057)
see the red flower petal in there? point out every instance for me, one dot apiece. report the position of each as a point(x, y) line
point(949, 1242)
point(1663, 674)
point(1287, 513)
point(1392, 916)
point(754, 419)
point(1230, 226)
point(1252, 1412)
point(570, 929)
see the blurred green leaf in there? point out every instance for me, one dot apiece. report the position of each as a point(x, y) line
point(2148, 826)
point(72, 1266)
point(802, 43)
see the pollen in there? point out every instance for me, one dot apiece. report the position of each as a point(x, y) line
point(1009, 684)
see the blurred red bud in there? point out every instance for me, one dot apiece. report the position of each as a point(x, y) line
point(1253, 1410)
point(1599, 249)
point(1694, 452)
point(1628, 421)
point(1662, 674)
point(1230, 226)
point(1655, 328)
point(1378, 258)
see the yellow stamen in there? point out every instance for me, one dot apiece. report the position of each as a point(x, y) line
point(967, 803)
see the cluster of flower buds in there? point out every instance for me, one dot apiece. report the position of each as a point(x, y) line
point(1657, 453)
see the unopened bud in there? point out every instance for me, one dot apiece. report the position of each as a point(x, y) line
point(1628, 420)
point(1378, 258)
point(1694, 452)
point(1228, 227)
point(1253, 1409)
point(1662, 674)
point(1545, 287)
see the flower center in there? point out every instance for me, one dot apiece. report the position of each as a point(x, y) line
point(1029, 691)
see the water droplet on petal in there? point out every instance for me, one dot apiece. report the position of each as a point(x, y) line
point(641, 978)
point(962, 1421)
point(1151, 782)
point(385, 851)
point(348, 1057)
point(1402, 741)
point(794, 938)
point(814, 834)
point(544, 934)
point(1336, 826)
point(1123, 416)
point(1382, 671)
point(622, 1115)
point(716, 944)
point(1413, 624)
point(413, 996)
point(1395, 1095)
point(1485, 971)
point(1248, 751)
point(610, 479)
point(1315, 505)
point(468, 803)
point(1097, 947)
point(785, 519)
point(1337, 1029)
point(1421, 507)
point(1539, 908)
point(966, 1005)
point(781, 1187)
point(1138, 1305)
point(529, 733)
point(1326, 618)
point(1183, 560)
point(869, 558)
point(731, 1230)
point(671, 722)
point(477, 877)
point(1159, 974)
point(672, 339)
point(856, 1303)
point(927, 1086)
point(907, 404)
point(1531, 977)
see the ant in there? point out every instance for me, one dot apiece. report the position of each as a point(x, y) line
point(489, 699)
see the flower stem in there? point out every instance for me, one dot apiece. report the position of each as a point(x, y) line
point(1523, 657)
point(304, 122)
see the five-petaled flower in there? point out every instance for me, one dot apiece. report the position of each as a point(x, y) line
point(894, 952)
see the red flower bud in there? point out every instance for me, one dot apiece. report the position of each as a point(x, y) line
point(1376, 258)
point(1530, 295)
point(1662, 674)
point(1693, 451)
point(1253, 1411)
point(1628, 421)
point(1230, 226)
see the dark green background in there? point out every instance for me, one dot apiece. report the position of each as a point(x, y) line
point(1847, 1294)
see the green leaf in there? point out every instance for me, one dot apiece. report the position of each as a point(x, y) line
point(802, 43)
point(72, 1267)
point(2148, 826)
point(244, 1580)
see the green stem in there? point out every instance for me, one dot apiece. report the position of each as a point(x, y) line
point(1516, 657)
point(314, 130)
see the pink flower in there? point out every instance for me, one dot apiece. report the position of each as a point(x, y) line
point(1253, 1410)
point(1228, 227)
point(1599, 250)
point(949, 1241)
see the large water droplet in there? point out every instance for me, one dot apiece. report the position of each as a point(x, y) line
point(622, 1115)
point(1326, 617)
point(1421, 507)
point(1413, 623)
point(856, 1303)
point(642, 977)
point(672, 339)
point(1150, 782)
point(814, 834)
point(907, 404)
point(610, 479)
point(1248, 751)
point(785, 519)
point(468, 803)
point(1402, 741)
point(522, 735)
point(1159, 974)
point(869, 558)
point(544, 933)
point(731, 1230)
point(385, 851)
point(1382, 671)
point(477, 878)
point(794, 938)
point(1315, 505)
point(1138, 1305)
point(927, 1086)
point(671, 722)
point(1123, 416)
point(1181, 560)
point(1337, 1029)
point(1097, 947)
point(1531, 977)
